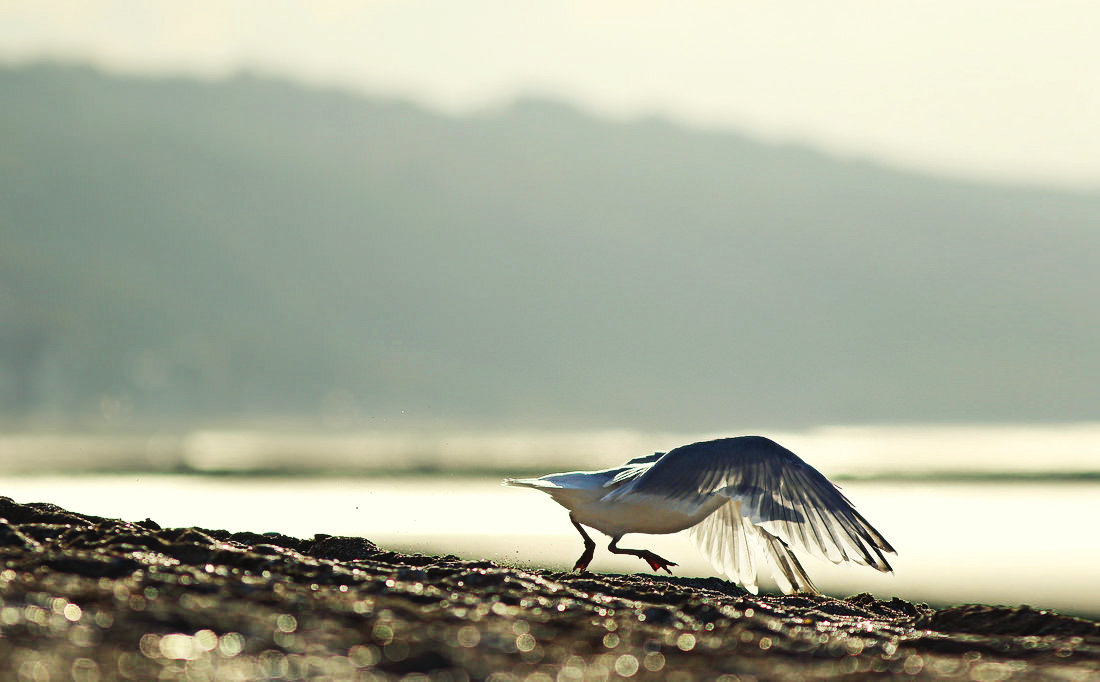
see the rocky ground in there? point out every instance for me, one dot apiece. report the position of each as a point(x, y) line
point(87, 598)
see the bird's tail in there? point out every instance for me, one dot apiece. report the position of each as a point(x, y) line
point(527, 483)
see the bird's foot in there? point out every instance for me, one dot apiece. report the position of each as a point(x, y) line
point(580, 566)
point(657, 562)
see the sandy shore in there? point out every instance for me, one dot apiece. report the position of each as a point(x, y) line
point(87, 598)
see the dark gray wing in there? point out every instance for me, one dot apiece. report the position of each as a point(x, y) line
point(777, 491)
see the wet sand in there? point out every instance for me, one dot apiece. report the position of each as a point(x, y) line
point(88, 598)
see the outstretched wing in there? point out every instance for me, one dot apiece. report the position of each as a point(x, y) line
point(776, 491)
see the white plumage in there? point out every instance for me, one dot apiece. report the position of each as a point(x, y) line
point(740, 497)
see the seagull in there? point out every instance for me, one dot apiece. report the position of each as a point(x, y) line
point(736, 496)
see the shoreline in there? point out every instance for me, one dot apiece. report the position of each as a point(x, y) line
point(85, 597)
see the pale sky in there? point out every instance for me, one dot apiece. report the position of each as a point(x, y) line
point(991, 89)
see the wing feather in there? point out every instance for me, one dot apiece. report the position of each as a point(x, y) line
point(724, 538)
point(786, 569)
point(727, 539)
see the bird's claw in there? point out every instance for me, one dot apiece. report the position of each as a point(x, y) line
point(657, 563)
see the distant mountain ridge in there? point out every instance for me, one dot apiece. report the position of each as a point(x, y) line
point(182, 249)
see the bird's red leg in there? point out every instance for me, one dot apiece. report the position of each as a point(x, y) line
point(655, 562)
point(589, 547)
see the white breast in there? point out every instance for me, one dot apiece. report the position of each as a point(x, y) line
point(633, 515)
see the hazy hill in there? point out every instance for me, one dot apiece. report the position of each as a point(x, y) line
point(175, 248)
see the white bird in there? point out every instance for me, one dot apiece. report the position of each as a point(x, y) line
point(736, 495)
